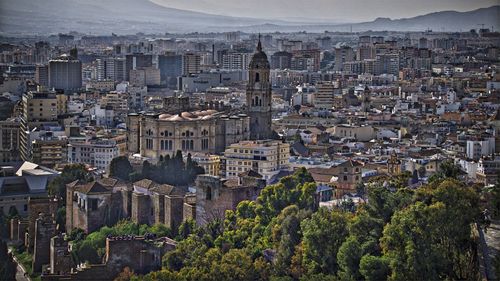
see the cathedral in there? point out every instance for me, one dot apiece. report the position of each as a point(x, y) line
point(259, 96)
point(206, 130)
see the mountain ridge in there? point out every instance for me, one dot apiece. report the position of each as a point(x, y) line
point(104, 17)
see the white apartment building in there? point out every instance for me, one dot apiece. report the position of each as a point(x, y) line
point(96, 153)
point(267, 157)
point(477, 148)
point(236, 60)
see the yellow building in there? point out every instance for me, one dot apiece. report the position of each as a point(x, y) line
point(267, 157)
point(209, 162)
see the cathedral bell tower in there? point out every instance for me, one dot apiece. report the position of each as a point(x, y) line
point(259, 96)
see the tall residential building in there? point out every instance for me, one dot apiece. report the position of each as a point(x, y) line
point(49, 151)
point(37, 108)
point(236, 60)
point(65, 73)
point(259, 96)
point(306, 60)
point(191, 63)
point(324, 96)
point(145, 76)
point(343, 54)
point(134, 61)
point(281, 60)
point(9, 140)
point(42, 75)
point(170, 66)
point(113, 69)
point(266, 157)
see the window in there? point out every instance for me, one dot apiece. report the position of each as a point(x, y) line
point(149, 144)
point(345, 178)
point(93, 204)
point(208, 194)
point(257, 77)
point(204, 144)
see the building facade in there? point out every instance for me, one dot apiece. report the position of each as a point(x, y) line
point(266, 157)
point(65, 73)
point(205, 131)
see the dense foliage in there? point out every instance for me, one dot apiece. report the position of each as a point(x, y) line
point(173, 171)
point(70, 173)
point(401, 234)
point(120, 168)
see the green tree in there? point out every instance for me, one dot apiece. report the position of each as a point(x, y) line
point(187, 254)
point(431, 239)
point(235, 265)
point(70, 173)
point(286, 236)
point(120, 168)
point(374, 268)
point(447, 169)
point(323, 234)
point(348, 257)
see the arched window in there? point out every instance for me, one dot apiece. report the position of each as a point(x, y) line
point(257, 77)
point(256, 101)
point(208, 195)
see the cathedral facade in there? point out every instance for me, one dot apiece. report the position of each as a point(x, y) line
point(206, 130)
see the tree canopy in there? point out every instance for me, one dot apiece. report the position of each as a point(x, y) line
point(400, 234)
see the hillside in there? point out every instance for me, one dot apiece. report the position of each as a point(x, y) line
point(132, 16)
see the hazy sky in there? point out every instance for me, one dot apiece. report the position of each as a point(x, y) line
point(337, 10)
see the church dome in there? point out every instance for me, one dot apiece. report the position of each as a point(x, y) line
point(259, 59)
point(164, 116)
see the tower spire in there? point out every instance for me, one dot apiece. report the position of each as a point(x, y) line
point(259, 45)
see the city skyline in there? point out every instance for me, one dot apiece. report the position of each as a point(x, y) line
point(278, 140)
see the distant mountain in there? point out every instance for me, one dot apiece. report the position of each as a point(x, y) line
point(107, 16)
point(45, 17)
point(438, 21)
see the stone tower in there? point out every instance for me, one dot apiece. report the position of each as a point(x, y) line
point(259, 96)
point(366, 100)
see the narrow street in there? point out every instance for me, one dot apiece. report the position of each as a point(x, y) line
point(20, 272)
